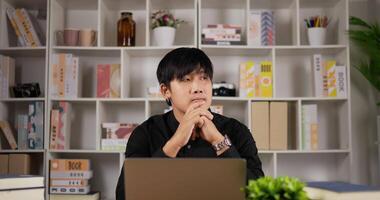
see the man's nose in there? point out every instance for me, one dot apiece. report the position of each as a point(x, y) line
point(196, 87)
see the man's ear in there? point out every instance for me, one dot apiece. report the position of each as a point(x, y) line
point(165, 91)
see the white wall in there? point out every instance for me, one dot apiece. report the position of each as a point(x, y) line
point(364, 110)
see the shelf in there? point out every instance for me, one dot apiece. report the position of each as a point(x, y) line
point(22, 151)
point(81, 151)
point(24, 51)
point(21, 99)
point(74, 99)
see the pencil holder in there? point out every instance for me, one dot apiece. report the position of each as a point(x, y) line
point(316, 35)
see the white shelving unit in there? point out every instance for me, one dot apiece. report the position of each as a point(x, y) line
point(291, 58)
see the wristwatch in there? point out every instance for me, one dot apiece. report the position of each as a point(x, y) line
point(223, 144)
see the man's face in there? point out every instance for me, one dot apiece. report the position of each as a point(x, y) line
point(193, 87)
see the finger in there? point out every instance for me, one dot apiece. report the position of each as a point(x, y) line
point(195, 105)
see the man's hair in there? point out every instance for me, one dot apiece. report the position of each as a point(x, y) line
point(182, 61)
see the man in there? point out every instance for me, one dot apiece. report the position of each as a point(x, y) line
point(190, 129)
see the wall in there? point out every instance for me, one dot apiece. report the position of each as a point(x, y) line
point(364, 110)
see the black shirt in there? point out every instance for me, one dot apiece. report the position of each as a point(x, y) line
point(148, 139)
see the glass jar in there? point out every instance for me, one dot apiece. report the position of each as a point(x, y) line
point(126, 30)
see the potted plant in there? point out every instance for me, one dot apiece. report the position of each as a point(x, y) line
point(164, 26)
point(281, 188)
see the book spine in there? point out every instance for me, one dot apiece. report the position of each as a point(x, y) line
point(11, 17)
point(22, 131)
point(21, 28)
point(70, 165)
point(254, 33)
point(68, 182)
point(64, 125)
point(341, 81)
point(70, 190)
point(6, 128)
point(27, 29)
point(318, 75)
point(31, 27)
point(39, 121)
point(71, 174)
point(109, 144)
point(267, 28)
point(54, 120)
point(114, 81)
point(103, 75)
point(266, 86)
point(247, 79)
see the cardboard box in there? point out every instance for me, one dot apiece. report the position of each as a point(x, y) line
point(4, 164)
point(278, 126)
point(19, 164)
point(260, 124)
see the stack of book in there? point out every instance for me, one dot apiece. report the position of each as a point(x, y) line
point(330, 80)
point(70, 176)
point(60, 125)
point(270, 122)
point(7, 75)
point(256, 80)
point(108, 80)
point(222, 34)
point(25, 27)
point(309, 133)
point(22, 187)
point(66, 76)
point(117, 135)
point(261, 28)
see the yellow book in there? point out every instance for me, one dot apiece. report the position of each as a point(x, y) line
point(266, 85)
point(330, 76)
point(70, 165)
point(115, 81)
point(247, 79)
point(62, 60)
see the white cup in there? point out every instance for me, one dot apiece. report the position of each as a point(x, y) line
point(316, 35)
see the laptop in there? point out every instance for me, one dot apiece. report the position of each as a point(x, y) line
point(184, 178)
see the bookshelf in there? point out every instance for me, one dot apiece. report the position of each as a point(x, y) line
point(292, 75)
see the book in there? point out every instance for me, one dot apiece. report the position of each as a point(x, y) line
point(267, 28)
point(12, 182)
point(103, 80)
point(341, 191)
point(109, 144)
point(22, 131)
point(11, 17)
point(54, 126)
point(260, 124)
point(8, 70)
point(309, 117)
point(64, 125)
point(27, 193)
point(4, 159)
point(266, 80)
point(330, 78)
point(278, 125)
point(114, 81)
point(254, 31)
point(70, 190)
point(247, 79)
point(8, 133)
point(69, 165)
point(31, 26)
point(341, 79)
point(36, 124)
point(119, 130)
point(318, 75)
point(20, 164)
point(71, 174)
point(90, 196)
point(68, 182)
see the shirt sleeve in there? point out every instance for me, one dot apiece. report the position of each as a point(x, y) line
point(244, 146)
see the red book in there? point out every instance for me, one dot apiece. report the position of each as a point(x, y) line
point(103, 80)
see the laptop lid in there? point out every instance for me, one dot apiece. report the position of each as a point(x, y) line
point(184, 178)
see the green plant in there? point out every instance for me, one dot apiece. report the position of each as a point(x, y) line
point(367, 39)
point(281, 188)
point(164, 18)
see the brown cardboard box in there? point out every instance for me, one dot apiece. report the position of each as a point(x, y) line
point(19, 164)
point(4, 164)
point(278, 131)
point(260, 124)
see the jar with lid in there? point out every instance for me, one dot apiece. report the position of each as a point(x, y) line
point(126, 30)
